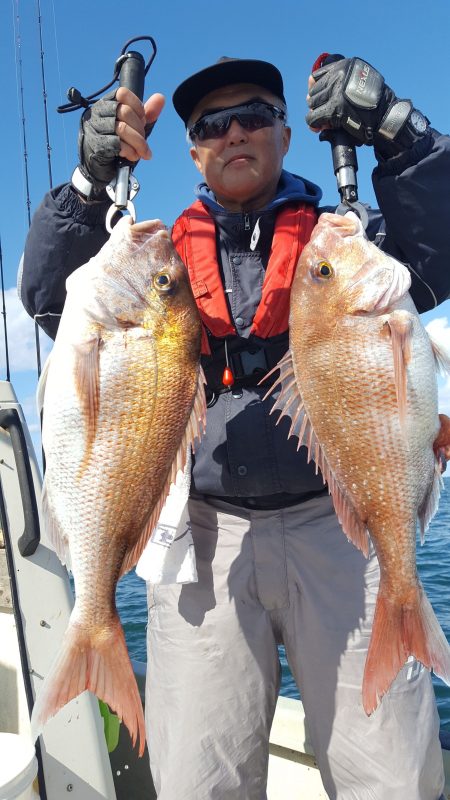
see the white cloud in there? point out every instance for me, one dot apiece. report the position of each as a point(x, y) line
point(439, 330)
point(21, 337)
point(444, 396)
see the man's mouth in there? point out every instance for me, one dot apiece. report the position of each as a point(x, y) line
point(240, 157)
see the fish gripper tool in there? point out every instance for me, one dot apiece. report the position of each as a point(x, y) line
point(345, 163)
point(130, 70)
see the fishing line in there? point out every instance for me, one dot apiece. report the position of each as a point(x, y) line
point(61, 93)
point(16, 604)
point(21, 109)
point(20, 100)
point(19, 79)
point(44, 96)
point(8, 374)
point(49, 158)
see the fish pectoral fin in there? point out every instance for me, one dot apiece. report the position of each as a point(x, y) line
point(87, 382)
point(182, 462)
point(400, 325)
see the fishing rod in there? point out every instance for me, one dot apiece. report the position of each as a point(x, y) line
point(130, 70)
point(19, 70)
point(49, 159)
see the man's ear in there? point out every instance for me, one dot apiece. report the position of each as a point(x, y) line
point(286, 139)
point(195, 159)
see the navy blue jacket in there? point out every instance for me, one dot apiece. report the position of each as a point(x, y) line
point(244, 456)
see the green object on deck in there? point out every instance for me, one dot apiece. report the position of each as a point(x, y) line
point(111, 724)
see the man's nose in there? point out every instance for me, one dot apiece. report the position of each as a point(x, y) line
point(236, 133)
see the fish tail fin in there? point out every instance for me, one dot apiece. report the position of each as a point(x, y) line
point(398, 632)
point(98, 662)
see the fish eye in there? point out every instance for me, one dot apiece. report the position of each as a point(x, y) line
point(163, 282)
point(323, 270)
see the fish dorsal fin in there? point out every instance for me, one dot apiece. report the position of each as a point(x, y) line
point(400, 326)
point(289, 402)
point(194, 430)
point(87, 383)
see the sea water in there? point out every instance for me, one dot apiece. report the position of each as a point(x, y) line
point(433, 560)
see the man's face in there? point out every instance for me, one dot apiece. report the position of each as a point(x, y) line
point(242, 167)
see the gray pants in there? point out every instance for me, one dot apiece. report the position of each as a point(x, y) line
point(269, 577)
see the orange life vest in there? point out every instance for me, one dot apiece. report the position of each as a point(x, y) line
point(194, 237)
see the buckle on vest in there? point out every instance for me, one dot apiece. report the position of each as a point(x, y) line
point(249, 363)
point(199, 288)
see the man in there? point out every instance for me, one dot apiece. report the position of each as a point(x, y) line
point(273, 565)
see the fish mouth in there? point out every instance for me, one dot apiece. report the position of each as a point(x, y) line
point(149, 231)
point(348, 224)
point(149, 226)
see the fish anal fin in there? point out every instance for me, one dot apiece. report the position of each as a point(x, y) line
point(399, 631)
point(194, 430)
point(400, 325)
point(353, 526)
point(99, 662)
point(87, 382)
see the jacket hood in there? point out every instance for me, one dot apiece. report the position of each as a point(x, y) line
point(290, 188)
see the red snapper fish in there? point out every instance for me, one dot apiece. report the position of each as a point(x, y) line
point(123, 399)
point(359, 383)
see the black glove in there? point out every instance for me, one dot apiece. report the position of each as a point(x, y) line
point(350, 94)
point(98, 143)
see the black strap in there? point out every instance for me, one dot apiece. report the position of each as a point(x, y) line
point(249, 360)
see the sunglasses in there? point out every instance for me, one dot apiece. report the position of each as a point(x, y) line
point(251, 116)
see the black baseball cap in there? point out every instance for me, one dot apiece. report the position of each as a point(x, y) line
point(225, 72)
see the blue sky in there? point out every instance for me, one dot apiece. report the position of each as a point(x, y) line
point(406, 40)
